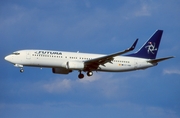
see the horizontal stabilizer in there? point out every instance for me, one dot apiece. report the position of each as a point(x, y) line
point(159, 60)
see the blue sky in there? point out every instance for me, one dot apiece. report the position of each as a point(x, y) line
point(89, 26)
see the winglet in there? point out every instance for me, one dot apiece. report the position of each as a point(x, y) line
point(133, 46)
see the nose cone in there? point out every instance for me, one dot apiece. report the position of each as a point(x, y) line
point(7, 58)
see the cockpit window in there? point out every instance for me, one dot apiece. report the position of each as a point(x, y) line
point(16, 53)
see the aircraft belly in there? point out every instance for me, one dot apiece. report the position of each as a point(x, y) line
point(47, 62)
point(116, 67)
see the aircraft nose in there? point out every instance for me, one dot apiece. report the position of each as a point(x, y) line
point(7, 58)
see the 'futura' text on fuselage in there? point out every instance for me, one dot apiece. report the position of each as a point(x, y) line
point(48, 52)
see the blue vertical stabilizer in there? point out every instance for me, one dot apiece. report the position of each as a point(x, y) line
point(150, 48)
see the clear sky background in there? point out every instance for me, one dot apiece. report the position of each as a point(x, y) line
point(94, 26)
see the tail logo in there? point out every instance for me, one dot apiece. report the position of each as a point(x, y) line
point(151, 48)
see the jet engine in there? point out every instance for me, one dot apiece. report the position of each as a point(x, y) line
point(61, 70)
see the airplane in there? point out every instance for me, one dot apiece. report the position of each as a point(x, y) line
point(62, 62)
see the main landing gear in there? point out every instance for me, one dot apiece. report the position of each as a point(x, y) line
point(89, 73)
point(81, 76)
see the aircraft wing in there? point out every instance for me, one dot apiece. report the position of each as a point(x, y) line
point(94, 63)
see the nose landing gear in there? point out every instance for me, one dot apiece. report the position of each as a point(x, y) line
point(19, 66)
point(21, 70)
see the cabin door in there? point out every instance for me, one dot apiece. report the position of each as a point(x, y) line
point(135, 64)
point(28, 55)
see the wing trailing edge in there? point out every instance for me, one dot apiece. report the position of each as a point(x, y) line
point(108, 58)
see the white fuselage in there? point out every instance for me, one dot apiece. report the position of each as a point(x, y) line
point(59, 59)
point(65, 62)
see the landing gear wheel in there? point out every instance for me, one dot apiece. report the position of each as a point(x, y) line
point(89, 73)
point(81, 76)
point(21, 70)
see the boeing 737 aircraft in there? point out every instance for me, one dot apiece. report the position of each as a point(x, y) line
point(65, 62)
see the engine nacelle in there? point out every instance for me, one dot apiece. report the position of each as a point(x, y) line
point(75, 65)
point(61, 70)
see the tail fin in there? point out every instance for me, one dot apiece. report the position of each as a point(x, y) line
point(150, 48)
